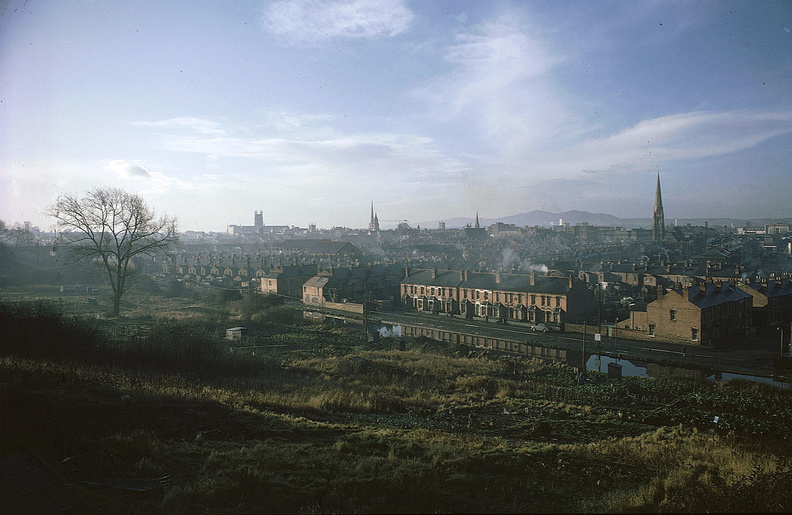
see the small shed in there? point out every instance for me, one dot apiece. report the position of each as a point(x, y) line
point(235, 334)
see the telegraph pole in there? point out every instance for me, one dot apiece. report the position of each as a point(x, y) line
point(585, 330)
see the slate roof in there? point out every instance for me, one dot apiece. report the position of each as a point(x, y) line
point(319, 281)
point(321, 246)
point(714, 294)
point(488, 281)
point(773, 289)
point(445, 278)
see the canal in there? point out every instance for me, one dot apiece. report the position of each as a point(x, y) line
point(563, 350)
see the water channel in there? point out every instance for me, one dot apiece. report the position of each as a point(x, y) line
point(595, 362)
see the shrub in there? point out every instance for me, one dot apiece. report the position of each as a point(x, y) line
point(37, 330)
point(222, 296)
point(278, 315)
point(255, 302)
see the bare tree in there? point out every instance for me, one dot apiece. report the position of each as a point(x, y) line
point(111, 227)
point(17, 235)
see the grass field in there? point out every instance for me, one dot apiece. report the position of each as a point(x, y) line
point(318, 420)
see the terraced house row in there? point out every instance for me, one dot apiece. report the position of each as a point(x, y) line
point(527, 297)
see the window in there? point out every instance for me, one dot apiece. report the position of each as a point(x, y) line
point(651, 329)
point(694, 334)
point(673, 314)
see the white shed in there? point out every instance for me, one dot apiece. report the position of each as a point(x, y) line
point(235, 334)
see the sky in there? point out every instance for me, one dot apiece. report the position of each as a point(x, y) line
point(310, 110)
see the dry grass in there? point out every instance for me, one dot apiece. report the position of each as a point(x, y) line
point(326, 423)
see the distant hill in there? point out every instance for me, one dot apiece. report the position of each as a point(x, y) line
point(547, 219)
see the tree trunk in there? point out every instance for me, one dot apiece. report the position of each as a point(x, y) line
point(118, 290)
point(116, 304)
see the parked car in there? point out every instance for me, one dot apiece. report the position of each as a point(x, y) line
point(542, 328)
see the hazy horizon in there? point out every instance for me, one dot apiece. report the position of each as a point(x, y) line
point(309, 110)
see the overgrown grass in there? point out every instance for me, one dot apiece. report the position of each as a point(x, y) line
point(319, 421)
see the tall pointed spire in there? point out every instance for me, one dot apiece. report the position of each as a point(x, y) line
point(374, 223)
point(658, 219)
point(477, 221)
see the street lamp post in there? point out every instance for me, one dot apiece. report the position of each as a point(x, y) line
point(781, 332)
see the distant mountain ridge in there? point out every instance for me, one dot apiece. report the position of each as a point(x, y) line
point(548, 219)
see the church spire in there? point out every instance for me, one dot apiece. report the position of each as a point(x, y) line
point(477, 221)
point(658, 219)
point(374, 223)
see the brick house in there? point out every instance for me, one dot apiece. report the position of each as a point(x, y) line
point(706, 315)
point(772, 303)
point(317, 290)
point(287, 279)
point(520, 297)
point(341, 287)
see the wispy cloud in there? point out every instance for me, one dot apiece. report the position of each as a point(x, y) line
point(501, 84)
point(651, 143)
point(191, 124)
point(311, 21)
point(306, 146)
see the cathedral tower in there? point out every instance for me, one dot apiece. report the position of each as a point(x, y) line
point(658, 219)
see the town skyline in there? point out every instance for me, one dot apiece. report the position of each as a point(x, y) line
point(432, 110)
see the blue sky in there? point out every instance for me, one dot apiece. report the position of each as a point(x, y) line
point(309, 110)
